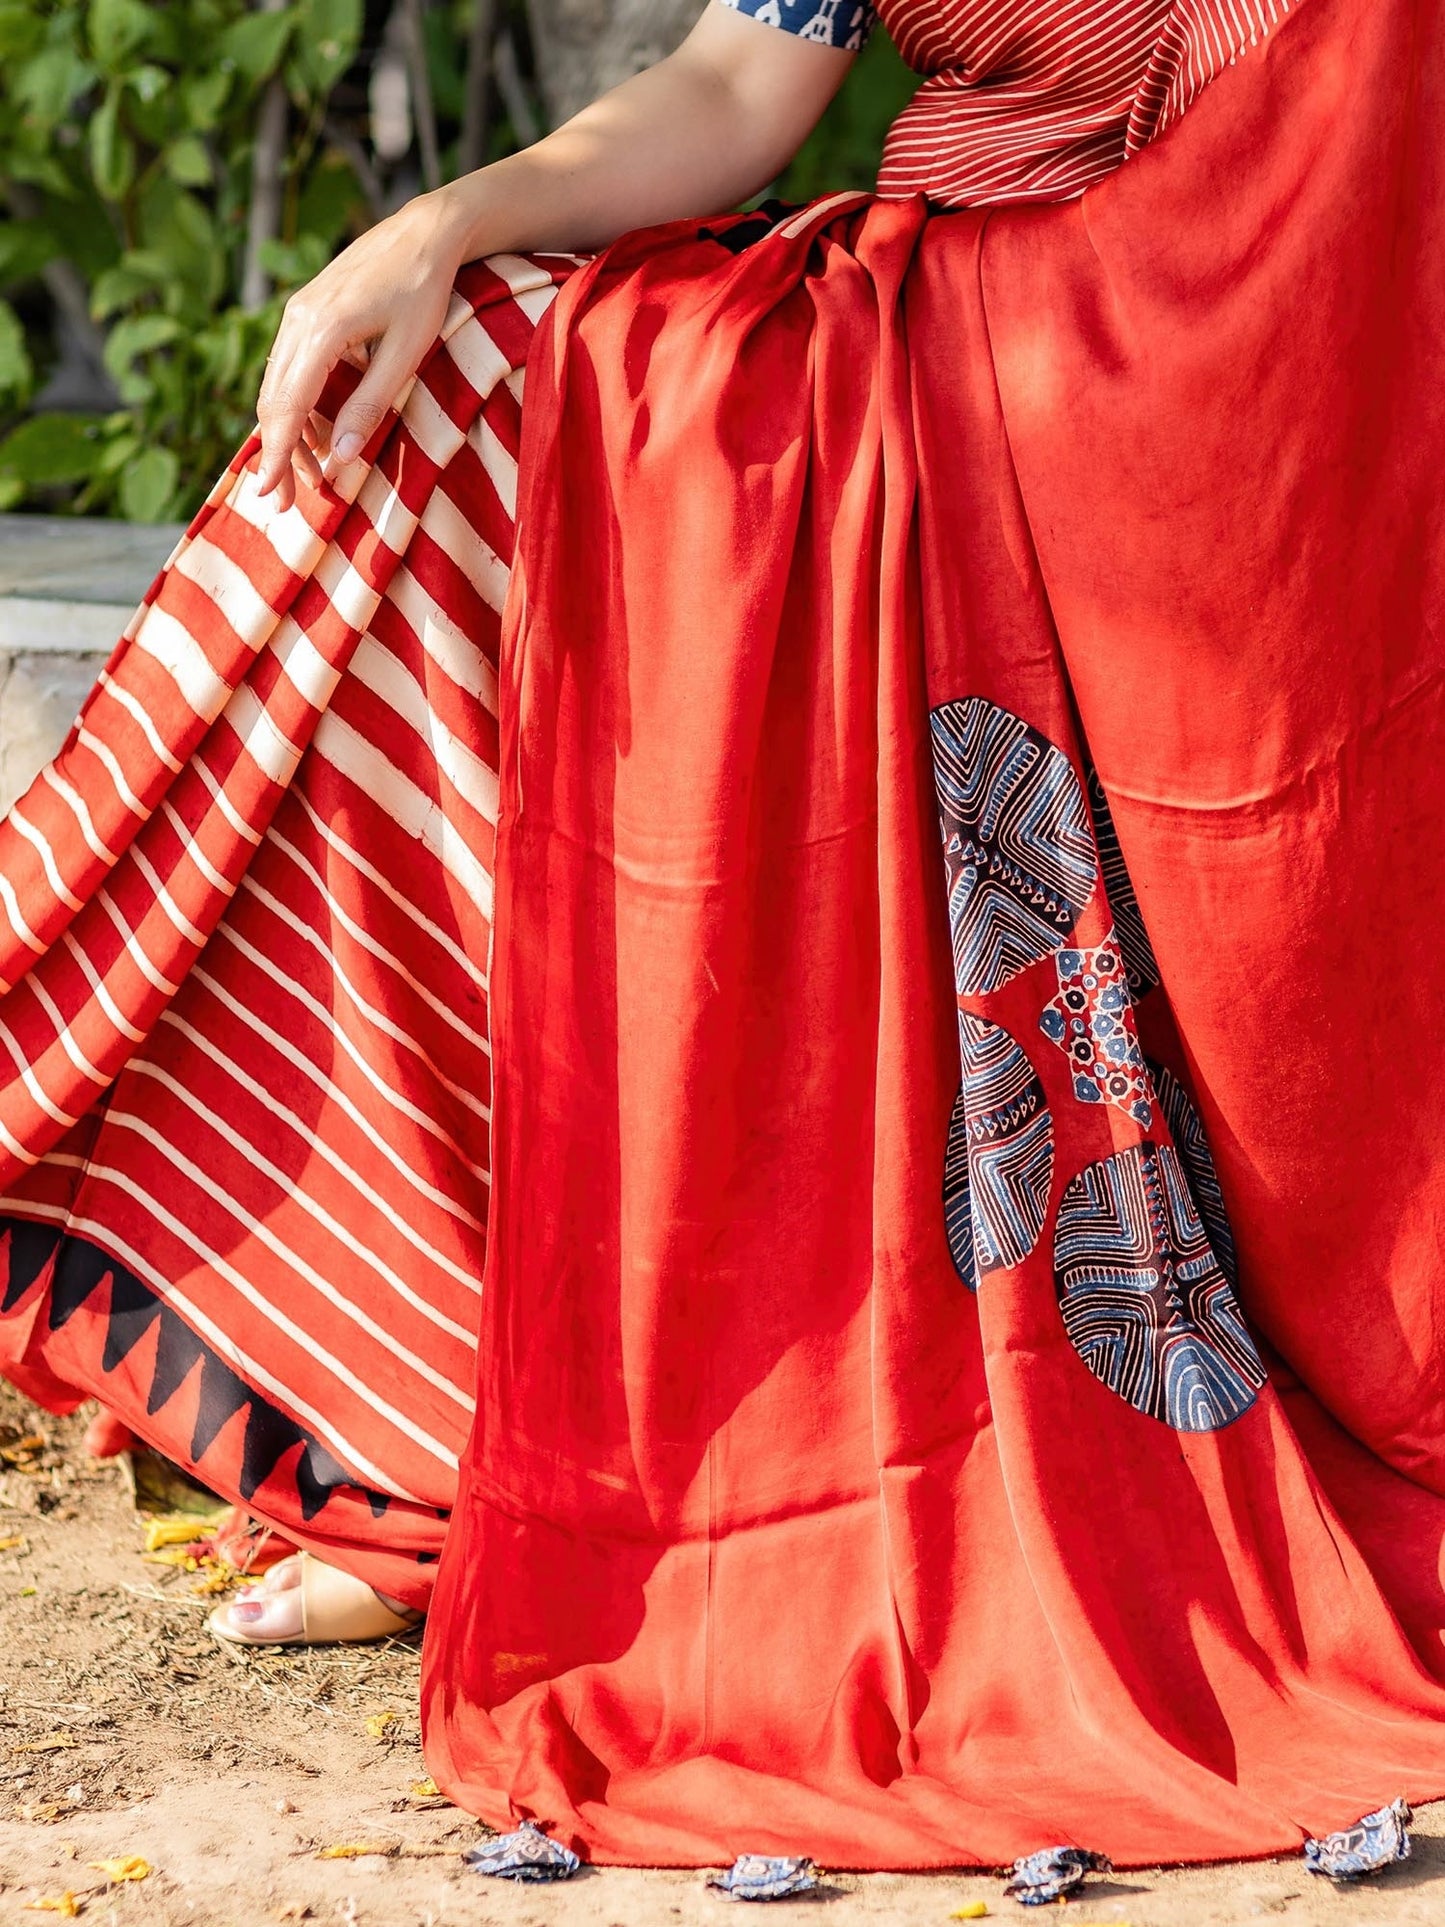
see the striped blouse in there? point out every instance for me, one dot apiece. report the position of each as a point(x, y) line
point(1033, 100)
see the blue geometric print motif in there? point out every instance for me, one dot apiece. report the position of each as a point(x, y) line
point(1139, 965)
point(1145, 1301)
point(1187, 1130)
point(1000, 1158)
point(1016, 841)
point(1092, 1022)
point(832, 23)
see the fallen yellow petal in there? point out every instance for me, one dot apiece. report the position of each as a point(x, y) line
point(9, 1545)
point(129, 1866)
point(48, 1743)
point(65, 1904)
point(425, 1790)
point(377, 1724)
point(971, 1910)
point(355, 1850)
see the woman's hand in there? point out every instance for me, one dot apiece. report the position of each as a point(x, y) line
point(380, 304)
point(698, 133)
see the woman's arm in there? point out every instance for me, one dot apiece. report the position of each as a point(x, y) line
point(696, 134)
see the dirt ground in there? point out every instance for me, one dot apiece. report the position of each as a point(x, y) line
point(125, 1730)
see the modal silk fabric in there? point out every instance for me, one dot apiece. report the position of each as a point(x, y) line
point(808, 1508)
point(902, 936)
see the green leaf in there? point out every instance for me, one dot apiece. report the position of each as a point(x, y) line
point(148, 83)
point(148, 485)
point(50, 451)
point(293, 262)
point(112, 151)
point(117, 287)
point(21, 29)
point(328, 36)
point(115, 29)
point(332, 201)
point(254, 45)
point(25, 248)
point(45, 86)
point(138, 334)
point(203, 96)
point(17, 371)
point(189, 163)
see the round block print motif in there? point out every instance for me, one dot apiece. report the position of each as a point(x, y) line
point(1138, 952)
point(1186, 1127)
point(1000, 1158)
point(1144, 1299)
point(1016, 840)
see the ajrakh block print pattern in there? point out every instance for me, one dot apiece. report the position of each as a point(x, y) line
point(1143, 1258)
point(1145, 1301)
point(1129, 932)
point(1000, 1159)
point(1092, 1022)
point(1016, 839)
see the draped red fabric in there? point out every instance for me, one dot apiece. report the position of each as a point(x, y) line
point(914, 1472)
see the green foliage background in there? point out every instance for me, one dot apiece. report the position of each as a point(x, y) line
point(126, 132)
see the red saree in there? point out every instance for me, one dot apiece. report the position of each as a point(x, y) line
point(908, 1471)
point(952, 1130)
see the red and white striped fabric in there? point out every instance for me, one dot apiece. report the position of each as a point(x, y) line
point(244, 927)
point(1036, 101)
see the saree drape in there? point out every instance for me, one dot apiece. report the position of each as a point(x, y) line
point(959, 1357)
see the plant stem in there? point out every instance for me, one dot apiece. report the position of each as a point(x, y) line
point(268, 161)
point(477, 100)
point(423, 106)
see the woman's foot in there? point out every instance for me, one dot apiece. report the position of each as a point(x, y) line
point(303, 1601)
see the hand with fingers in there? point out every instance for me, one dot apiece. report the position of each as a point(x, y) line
point(701, 131)
point(380, 304)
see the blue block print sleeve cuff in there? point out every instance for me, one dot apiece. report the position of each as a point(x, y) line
point(833, 23)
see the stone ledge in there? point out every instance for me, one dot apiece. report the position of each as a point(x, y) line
point(68, 587)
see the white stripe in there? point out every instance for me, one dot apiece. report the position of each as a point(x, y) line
point(311, 675)
point(81, 814)
point(224, 804)
point(65, 1037)
point(102, 995)
point(291, 536)
point(371, 1197)
point(332, 1093)
point(454, 534)
point(454, 653)
point(378, 949)
point(270, 749)
point(134, 949)
point(387, 677)
point(172, 647)
point(19, 821)
point(497, 464)
point(298, 1195)
point(410, 808)
point(38, 1095)
point(174, 913)
point(334, 841)
point(375, 1016)
point(326, 1018)
point(106, 756)
point(226, 583)
point(141, 715)
point(197, 855)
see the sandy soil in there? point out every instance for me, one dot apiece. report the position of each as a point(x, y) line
point(125, 1730)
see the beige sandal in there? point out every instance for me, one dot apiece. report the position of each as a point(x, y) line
point(336, 1609)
